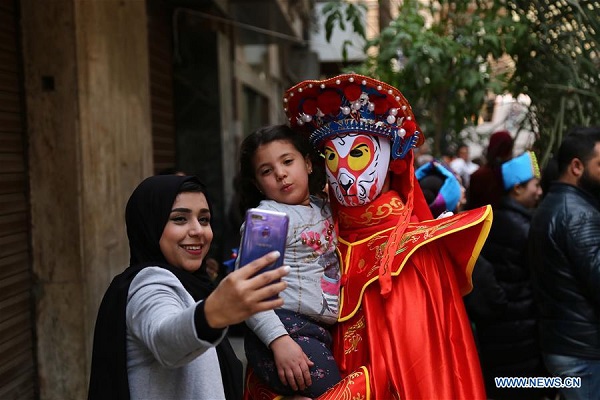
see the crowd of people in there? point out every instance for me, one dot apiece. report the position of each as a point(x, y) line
point(405, 276)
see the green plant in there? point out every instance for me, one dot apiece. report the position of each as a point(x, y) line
point(447, 57)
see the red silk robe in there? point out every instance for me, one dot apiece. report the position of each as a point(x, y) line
point(403, 332)
point(415, 341)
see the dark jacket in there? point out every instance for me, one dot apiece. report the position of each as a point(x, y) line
point(564, 246)
point(507, 329)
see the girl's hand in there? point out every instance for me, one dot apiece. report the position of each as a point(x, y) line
point(293, 366)
point(243, 293)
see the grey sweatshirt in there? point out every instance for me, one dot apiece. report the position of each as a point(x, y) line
point(165, 358)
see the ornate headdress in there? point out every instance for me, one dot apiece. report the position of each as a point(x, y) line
point(352, 103)
point(520, 170)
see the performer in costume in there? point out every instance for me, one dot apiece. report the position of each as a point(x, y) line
point(403, 332)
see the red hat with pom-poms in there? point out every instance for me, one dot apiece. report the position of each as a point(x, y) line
point(352, 103)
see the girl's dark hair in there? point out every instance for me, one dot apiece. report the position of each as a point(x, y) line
point(250, 196)
point(196, 186)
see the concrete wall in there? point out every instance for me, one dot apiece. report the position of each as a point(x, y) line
point(88, 116)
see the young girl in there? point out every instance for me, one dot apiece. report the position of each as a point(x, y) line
point(289, 349)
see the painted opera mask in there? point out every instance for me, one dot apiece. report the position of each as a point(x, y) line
point(357, 166)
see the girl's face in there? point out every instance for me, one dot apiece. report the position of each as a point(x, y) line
point(187, 235)
point(281, 173)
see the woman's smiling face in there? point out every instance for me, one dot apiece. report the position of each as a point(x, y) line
point(186, 238)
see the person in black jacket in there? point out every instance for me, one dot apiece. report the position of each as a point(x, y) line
point(501, 305)
point(564, 245)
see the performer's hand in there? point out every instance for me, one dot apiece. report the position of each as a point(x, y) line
point(445, 214)
point(293, 366)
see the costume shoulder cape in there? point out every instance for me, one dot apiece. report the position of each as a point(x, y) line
point(464, 233)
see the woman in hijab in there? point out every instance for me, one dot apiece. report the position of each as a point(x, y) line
point(161, 327)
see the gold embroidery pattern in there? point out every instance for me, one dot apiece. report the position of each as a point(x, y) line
point(258, 390)
point(373, 215)
point(361, 265)
point(427, 232)
point(344, 390)
point(377, 245)
point(352, 337)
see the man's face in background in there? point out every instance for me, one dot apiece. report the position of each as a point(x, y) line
point(590, 179)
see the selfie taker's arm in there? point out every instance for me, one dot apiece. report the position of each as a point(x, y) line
point(243, 293)
point(159, 314)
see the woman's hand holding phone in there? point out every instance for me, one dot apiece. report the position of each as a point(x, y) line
point(264, 231)
point(245, 292)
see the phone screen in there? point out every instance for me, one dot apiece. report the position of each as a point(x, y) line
point(264, 231)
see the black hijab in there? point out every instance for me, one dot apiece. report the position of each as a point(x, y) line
point(146, 215)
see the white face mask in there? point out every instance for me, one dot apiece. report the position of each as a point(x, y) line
point(356, 165)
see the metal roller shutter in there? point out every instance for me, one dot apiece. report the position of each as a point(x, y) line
point(160, 37)
point(17, 368)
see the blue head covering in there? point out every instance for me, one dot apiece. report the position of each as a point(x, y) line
point(520, 170)
point(446, 194)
